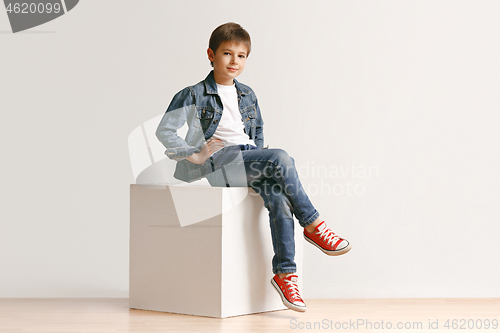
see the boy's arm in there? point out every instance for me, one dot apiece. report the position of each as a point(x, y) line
point(259, 127)
point(180, 108)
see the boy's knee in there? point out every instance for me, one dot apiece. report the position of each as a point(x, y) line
point(282, 157)
point(284, 206)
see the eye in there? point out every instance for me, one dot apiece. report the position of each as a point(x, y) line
point(227, 53)
point(242, 56)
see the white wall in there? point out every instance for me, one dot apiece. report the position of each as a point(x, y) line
point(404, 90)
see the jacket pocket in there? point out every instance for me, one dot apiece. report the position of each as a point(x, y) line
point(249, 113)
point(205, 115)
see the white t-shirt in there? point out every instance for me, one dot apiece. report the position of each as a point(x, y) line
point(231, 128)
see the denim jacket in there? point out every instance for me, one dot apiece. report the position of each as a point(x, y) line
point(201, 107)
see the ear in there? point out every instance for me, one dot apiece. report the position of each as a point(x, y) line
point(211, 55)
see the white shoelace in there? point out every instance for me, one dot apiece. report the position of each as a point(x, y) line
point(328, 236)
point(294, 293)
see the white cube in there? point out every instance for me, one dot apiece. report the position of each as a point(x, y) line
point(202, 251)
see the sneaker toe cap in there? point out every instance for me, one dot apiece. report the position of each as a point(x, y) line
point(342, 245)
point(299, 303)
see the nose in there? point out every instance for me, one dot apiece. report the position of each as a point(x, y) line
point(234, 60)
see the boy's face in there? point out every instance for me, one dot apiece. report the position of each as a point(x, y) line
point(229, 61)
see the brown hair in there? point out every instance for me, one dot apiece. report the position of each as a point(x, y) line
point(232, 32)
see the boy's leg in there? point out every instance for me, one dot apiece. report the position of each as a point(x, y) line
point(281, 223)
point(282, 233)
point(278, 165)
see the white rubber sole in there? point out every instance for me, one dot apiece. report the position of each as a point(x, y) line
point(289, 305)
point(330, 253)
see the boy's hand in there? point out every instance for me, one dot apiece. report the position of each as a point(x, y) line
point(208, 149)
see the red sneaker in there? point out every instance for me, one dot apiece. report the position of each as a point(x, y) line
point(289, 292)
point(325, 240)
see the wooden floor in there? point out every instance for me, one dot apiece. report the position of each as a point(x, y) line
point(326, 315)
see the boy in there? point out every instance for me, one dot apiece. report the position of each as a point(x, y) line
point(226, 132)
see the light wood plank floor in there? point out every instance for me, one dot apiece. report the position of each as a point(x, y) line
point(113, 315)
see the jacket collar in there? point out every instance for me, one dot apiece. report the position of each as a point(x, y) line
point(211, 86)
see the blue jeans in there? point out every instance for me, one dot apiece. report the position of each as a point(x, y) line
point(272, 174)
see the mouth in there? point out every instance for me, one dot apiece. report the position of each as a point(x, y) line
point(232, 69)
